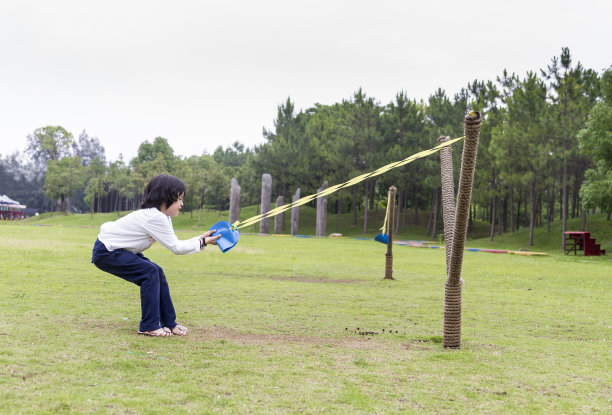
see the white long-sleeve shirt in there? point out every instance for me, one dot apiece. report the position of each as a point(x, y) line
point(138, 230)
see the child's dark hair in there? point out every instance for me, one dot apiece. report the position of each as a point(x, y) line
point(162, 190)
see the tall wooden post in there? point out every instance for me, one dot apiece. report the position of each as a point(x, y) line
point(295, 213)
point(390, 224)
point(279, 220)
point(266, 195)
point(454, 282)
point(321, 225)
point(234, 212)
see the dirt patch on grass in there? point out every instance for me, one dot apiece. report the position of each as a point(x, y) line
point(224, 333)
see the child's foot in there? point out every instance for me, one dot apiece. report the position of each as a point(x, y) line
point(179, 330)
point(156, 333)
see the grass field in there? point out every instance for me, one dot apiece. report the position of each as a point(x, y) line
point(277, 326)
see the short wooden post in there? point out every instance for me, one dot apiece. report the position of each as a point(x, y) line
point(390, 222)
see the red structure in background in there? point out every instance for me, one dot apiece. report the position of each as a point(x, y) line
point(582, 241)
point(10, 209)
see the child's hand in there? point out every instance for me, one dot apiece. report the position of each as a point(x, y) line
point(210, 239)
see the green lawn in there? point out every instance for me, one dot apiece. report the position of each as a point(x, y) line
point(275, 328)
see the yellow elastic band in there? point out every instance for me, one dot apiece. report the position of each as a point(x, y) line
point(252, 220)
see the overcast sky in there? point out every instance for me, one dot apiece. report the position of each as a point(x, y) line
point(207, 73)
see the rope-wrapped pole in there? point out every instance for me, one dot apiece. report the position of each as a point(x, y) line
point(448, 196)
point(390, 222)
point(454, 282)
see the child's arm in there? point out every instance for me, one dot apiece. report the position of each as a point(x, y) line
point(160, 228)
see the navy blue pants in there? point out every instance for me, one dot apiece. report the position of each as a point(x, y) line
point(155, 301)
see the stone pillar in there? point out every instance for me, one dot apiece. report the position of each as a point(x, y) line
point(295, 213)
point(266, 195)
point(279, 220)
point(234, 213)
point(321, 224)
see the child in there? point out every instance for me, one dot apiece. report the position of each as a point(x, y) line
point(118, 251)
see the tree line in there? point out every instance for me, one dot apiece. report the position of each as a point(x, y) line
point(545, 152)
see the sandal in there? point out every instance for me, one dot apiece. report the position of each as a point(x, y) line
point(156, 333)
point(179, 330)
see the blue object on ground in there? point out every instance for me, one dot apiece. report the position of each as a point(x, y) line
point(383, 238)
point(229, 237)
